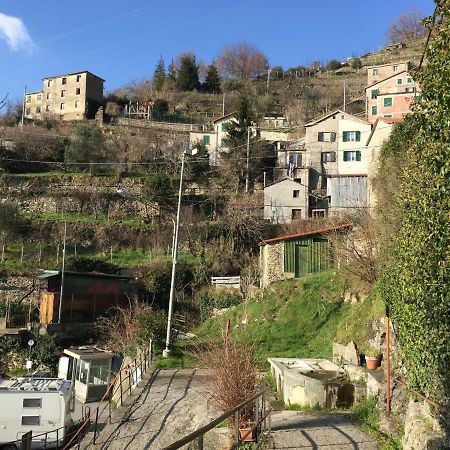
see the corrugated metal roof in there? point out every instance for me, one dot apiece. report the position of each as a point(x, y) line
point(347, 226)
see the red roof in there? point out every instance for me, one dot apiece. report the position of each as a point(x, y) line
point(347, 226)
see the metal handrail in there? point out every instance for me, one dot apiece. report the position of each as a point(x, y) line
point(203, 430)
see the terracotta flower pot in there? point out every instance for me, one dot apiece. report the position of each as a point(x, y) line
point(246, 435)
point(372, 362)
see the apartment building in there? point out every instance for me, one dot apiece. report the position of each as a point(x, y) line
point(72, 96)
point(382, 71)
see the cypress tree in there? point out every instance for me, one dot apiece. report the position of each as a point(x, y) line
point(159, 75)
point(212, 79)
point(187, 77)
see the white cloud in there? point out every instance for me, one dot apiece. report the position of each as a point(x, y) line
point(15, 33)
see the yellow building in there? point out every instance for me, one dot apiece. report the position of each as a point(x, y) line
point(72, 96)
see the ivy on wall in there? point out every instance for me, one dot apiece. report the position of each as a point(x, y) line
point(416, 279)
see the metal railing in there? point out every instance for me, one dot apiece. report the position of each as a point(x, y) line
point(260, 424)
point(17, 321)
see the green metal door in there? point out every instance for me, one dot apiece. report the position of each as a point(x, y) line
point(302, 258)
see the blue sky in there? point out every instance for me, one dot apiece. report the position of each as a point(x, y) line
point(122, 41)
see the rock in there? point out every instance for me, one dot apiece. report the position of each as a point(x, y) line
point(422, 431)
point(345, 353)
point(356, 374)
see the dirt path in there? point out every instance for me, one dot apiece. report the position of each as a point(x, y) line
point(299, 430)
point(166, 407)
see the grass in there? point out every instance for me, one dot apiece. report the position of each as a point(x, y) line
point(179, 357)
point(367, 416)
point(296, 318)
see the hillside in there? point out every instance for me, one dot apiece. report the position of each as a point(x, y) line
point(298, 318)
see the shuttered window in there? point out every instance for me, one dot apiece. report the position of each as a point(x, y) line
point(387, 101)
point(353, 155)
point(351, 136)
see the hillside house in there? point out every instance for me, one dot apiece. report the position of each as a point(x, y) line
point(287, 200)
point(338, 162)
point(297, 255)
point(71, 96)
point(86, 296)
point(380, 72)
point(392, 97)
point(213, 140)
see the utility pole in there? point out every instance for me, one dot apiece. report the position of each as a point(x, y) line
point(345, 101)
point(61, 292)
point(23, 107)
point(247, 177)
point(268, 79)
point(223, 104)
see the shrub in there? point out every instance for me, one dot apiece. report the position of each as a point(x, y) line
point(210, 300)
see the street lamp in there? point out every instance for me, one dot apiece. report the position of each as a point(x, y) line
point(166, 351)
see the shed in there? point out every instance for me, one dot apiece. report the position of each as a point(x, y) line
point(297, 255)
point(90, 369)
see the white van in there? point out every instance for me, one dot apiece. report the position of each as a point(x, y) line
point(39, 405)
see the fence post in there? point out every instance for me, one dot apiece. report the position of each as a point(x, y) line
point(200, 442)
point(120, 384)
point(236, 427)
point(95, 425)
point(129, 379)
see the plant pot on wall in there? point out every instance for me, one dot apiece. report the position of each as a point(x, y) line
point(246, 434)
point(372, 362)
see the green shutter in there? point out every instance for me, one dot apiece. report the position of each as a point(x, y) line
point(358, 155)
point(358, 136)
point(374, 93)
point(346, 156)
point(387, 101)
point(374, 110)
point(345, 136)
point(206, 139)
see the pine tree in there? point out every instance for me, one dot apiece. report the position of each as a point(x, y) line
point(159, 75)
point(172, 71)
point(212, 79)
point(187, 78)
point(237, 130)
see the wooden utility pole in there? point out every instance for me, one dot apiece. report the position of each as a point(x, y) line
point(247, 176)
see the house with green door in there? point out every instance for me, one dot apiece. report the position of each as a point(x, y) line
point(298, 255)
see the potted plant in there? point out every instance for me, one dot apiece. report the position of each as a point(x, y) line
point(373, 359)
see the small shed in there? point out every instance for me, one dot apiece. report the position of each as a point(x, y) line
point(90, 369)
point(297, 255)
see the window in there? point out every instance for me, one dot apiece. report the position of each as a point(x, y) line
point(82, 371)
point(410, 89)
point(61, 106)
point(49, 95)
point(351, 136)
point(409, 80)
point(47, 107)
point(77, 103)
point(387, 101)
point(63, 93)
point(32, 403)
point(399, 81)
point(38, 97)
point(31, 420)
point(78, 78)
point(64, 80)
point(318, 213)
point(328, 157)
point(295, 193)
point(326, 136)
point(77, 91)
point(374, 110)
point(49, 83)
point(388, 116)
point(395, 68)
point(28, 98)
point(374, 93)
point(27, 111)
point(354, 155)
point(38, 109)
point(205, 139)
point(374, 71)
point(296, 214)
point(99, 373)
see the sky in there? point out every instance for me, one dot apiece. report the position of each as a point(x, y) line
point(121, 41)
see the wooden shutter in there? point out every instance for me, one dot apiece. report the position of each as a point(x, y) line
point(346, 156)
point(358, 155)
point(345, 136)
point(332, 157)
point(320, 136)
point(358, 136)
point(333, 137)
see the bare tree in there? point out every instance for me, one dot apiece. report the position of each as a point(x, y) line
point(407, 27)
point(242, 60)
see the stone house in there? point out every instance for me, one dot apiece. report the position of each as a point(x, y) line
point(380, 72)
point(287, 200)
point(391, 97)
point(297, 255)
point(72, 96)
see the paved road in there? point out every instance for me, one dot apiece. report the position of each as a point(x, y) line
point(299, 430)
point(164, 408)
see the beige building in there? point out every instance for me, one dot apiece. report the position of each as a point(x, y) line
point(72, 96)
point(383, 71)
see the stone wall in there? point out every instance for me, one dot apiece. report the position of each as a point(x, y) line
point(140, 123)
point(272, 263)
point(14, 288)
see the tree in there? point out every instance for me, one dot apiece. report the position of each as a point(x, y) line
point(356, 63)
point(407, 27)
point(277, 72)
point(212, 79)
point(334, 64)
point(160, 108)
point(198, 165)
point(159, 189)
point(416, 277)
point(86, 146)
point(187, 77)
point(11, 223)
point(159, 75)
point(172, 71)
point(242, 61)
